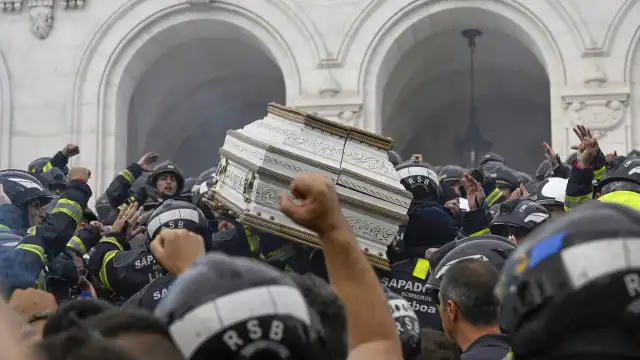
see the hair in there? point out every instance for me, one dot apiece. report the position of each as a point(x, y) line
point(80, 345)
point(116, 322)
point(67, 315)
point(469, 284)
point(321, 298)
point(436, 346)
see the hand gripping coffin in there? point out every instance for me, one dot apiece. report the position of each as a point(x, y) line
point(259, 161)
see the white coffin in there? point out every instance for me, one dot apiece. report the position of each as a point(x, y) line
point(259, 162)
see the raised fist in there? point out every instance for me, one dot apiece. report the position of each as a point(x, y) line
point(70, 150)
point(147, 160)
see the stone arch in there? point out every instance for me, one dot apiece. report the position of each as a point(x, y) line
point(5, 115)
point(627, 57)
point(411, 21)
point(139, 32)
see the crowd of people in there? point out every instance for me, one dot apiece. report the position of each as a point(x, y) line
point(493, 264)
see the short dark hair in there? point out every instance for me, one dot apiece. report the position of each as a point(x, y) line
point(118, 322)
point(469, 284)
point(78, 344)
point(320, 297)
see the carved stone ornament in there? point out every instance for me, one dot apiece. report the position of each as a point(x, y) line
point(11, 5)
point(597, 111)
point(41, 13)
point(72, 4)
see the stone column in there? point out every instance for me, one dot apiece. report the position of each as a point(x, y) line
point(602, 107)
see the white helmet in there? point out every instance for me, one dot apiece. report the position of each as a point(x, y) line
point(551, 191)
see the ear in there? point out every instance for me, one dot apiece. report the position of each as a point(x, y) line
point(452, 310)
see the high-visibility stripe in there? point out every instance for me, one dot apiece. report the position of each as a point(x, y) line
point(598, 174)
point(32, 230)
point(113, 241)
point(493, 197)
point(254, 242)
point(421, 270)
point(77, 244)
point(571, 202)
point(127, 175)
point(70, 208)
point(38, 250)
point(47, 167)
point(103, 271)
point(4, 227)
point(481, 232)
point(130, 200)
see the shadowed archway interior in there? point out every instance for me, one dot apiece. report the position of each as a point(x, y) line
point(426, 99)
point(191, 95)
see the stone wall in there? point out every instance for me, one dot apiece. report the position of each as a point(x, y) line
point(68, 69)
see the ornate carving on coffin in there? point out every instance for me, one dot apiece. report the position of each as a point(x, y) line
point(72, 4)
point(371, 162)
point(311, 145)
point(601, 110)
point(11, 5)
point(41, 13)
point(364, 189)
point(284, 164)
point(369, 229)
point(235, 180)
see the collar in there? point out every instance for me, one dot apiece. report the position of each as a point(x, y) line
point(489, 340)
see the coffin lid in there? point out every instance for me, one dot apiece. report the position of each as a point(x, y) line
point(332, 127)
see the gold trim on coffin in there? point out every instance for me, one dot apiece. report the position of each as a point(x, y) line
point(284, 231)
point(331, 127)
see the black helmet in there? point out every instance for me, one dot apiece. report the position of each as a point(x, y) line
point(626, 177)
point(22, 187)
point(394, 158)
point(54, 180)
point(103, 207)
point(523, 177)
point(502, 175)
point(207, 173)
point(198, 197)
point(551, 191)
point(490, 248)
point(239, 308)
point(572, 290)
point(176, 214)
point(420, 179)
point(518, 217)
point(39, 164)
point(189, 184)
point(451, 173)
point(407, 324)
point(167, 167)
point(491, 157)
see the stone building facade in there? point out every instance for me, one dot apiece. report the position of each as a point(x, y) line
point(121, 77)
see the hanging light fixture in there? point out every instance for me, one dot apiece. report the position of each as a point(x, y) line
point(472, 145)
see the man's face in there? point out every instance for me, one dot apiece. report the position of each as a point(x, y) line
point(36, 212)
point(81, 225)
point(167, 184)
